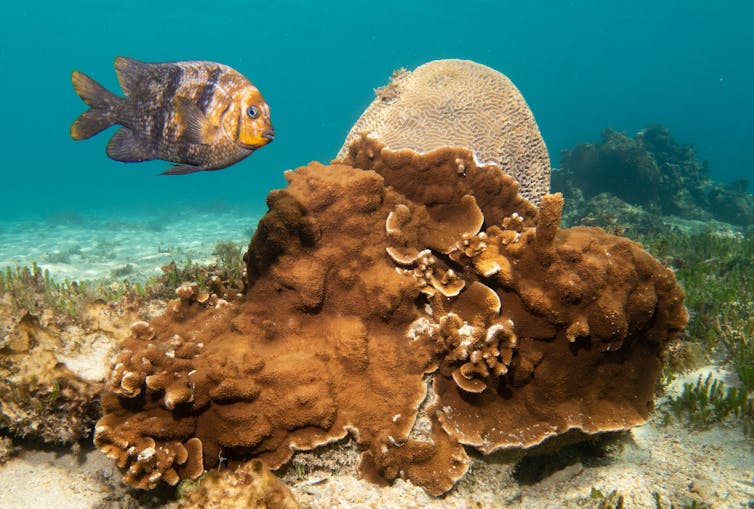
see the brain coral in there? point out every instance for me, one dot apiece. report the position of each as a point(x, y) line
point(416, 307)
point(460, 103)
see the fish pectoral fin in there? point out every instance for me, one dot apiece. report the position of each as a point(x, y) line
point(197, 128)
point(181, 169)
point(124, 146)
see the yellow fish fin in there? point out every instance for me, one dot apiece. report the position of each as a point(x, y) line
point(196, 126)
point(103, 105)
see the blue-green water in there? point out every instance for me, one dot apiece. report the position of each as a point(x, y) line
point(582, 66)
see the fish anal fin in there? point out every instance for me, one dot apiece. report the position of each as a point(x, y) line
point(124, 146)
point(197, 128)
point(182, 169)
point(130, 72)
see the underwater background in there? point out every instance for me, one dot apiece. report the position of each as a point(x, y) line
point(581, 65)
point(92, 250)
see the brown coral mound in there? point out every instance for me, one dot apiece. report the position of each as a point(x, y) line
point(360, 294)
point(460, 103)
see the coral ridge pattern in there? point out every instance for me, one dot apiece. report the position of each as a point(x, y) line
point(415, 301)
point(460, 103)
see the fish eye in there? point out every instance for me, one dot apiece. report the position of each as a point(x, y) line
point(252, 111)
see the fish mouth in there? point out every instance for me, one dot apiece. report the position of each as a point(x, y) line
point(257, 140)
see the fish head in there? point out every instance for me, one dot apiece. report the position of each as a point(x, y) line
point(248, 122)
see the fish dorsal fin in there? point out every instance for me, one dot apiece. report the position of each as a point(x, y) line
point(130, 72)
point(196, 126)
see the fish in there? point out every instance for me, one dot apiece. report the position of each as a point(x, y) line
point(199, 115)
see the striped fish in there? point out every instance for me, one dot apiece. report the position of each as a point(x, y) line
point(200, 115)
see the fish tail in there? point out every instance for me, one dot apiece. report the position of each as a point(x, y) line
point(103, 107)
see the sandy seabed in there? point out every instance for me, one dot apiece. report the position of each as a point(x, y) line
point(101, 247)
point(715, 466)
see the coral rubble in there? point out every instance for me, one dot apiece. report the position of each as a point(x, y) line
point(52, 365)
point(251, 486)
point(7, 450)
point(415, 301)
point(460, 103)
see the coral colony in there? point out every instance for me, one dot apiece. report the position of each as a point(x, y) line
point(417, 294)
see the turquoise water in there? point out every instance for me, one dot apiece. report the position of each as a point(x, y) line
point(582, 66)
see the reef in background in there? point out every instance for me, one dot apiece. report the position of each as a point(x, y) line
point(654, 171)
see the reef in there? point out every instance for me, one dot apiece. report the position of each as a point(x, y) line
point(460, 103)
point(415, 301)
point(251, 486)
point(654, 171)
point(7, 450)
point(54, 346)
point(733, 203)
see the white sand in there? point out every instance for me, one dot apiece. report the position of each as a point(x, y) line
point(100, 247)
point(37, 480)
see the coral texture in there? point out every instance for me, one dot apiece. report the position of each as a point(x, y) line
point(369, 290)
point(52, 369)
point(251, 486)
point(7, 450)
point(460, 103)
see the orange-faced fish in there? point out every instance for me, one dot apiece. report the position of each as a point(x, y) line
point(199, 115)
